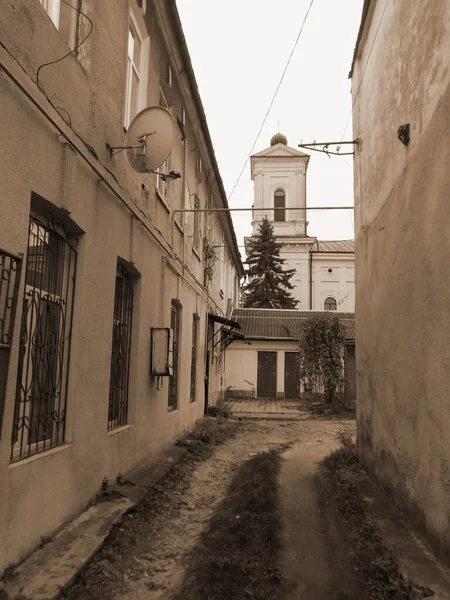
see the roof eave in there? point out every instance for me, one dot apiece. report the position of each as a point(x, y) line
point(365, 12)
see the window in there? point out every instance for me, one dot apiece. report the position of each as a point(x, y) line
point(138, 53)
point(53, 8)
point(195, 322)
point(41, 392)
point(330, 304)
point(196, 234)
point(169, 75)
point(120, 351)
point(175, 325)
point(65, 18)
point(133, 74)
point(279, 205)
point(165, 168)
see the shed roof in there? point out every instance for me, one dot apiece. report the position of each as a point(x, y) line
point(346, 246)
point(268, 323)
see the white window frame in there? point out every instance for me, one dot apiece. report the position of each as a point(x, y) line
point(53, 9)
point(136, 26)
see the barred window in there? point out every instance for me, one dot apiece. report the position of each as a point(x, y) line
point(175, 325)
point(195, 322)
point(41, 393)
point(120, 352)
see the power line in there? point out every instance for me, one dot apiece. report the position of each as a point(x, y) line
point(273, 98)
point(364, 70)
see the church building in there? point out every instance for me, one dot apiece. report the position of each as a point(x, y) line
point(325, 272)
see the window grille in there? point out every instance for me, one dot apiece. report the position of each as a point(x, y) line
point(41, 393)
point(330, 304)
point(195, 322)
point(175, 322)
point(279, 204)
point(10, 268)
point(120, 352)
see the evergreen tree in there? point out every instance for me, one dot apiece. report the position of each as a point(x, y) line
point(268, 285)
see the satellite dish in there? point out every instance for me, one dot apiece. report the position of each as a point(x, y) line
point(151, 134)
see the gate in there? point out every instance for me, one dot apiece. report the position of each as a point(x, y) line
point(291, 375)
point(267, 375)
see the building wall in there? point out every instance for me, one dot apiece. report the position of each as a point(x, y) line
point(402, 249)
point(241, 366)
point(339, 284)
point(116, 214)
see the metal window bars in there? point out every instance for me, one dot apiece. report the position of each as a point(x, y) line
point(41, 392)
point(10, 269)
point(120, 352)
point(172, 402)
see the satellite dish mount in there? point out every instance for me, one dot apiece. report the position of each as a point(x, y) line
point(147, 155)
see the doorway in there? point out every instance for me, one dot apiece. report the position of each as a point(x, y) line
point(291, 375)
point(267, 375)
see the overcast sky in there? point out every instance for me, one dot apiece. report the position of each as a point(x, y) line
point(239, 49)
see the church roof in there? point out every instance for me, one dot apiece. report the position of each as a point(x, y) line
point(344, 246)
point(267, 323)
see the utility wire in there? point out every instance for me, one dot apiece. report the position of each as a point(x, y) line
point(273, 98)
point(364, 70)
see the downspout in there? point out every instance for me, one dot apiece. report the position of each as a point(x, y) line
point(310, 278)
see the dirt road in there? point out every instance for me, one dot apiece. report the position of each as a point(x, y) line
point(153, 563)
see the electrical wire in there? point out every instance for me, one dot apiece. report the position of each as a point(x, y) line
point(53, 62)
point(273, 98)
point(364, 70)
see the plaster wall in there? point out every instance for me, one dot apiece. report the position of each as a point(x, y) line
point(287, 173)
point(402, 249)
point(241, 366)
point(35, 159)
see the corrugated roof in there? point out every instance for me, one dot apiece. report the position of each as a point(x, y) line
point(263, 323)
point(347, 246)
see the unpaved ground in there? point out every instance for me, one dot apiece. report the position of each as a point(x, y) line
point(158, 554)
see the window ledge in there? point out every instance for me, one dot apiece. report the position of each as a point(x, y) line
point(194, 251)
point(178, 226)
point(17, 462)
point(162, 201)
point(171, 411)
point(120, 429)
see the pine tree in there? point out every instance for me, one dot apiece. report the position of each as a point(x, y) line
point(268, 285)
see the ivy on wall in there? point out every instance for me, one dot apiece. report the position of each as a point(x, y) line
point(321, 352)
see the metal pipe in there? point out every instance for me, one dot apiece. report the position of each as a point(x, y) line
point(182, 210)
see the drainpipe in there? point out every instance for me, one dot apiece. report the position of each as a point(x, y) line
point(310, 278)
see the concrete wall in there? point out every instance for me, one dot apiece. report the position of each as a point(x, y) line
point(402, 249)
point(130, 222)
point(241, 366)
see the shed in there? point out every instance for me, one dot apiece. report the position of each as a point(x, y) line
point(263, 363)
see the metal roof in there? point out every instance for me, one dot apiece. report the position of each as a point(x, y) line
point(345, 246)
point(268, 323)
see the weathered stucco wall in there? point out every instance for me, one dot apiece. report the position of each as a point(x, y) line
point(402, 250)
point(40, 493)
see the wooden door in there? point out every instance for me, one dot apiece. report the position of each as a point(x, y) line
point(267, 375)
point(291, 375)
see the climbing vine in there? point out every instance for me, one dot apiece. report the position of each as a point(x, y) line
point(321, 351)
point(210, 257)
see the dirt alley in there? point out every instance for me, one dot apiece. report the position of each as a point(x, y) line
point(155, 568)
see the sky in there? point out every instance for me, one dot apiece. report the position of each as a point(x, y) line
point(239, 49)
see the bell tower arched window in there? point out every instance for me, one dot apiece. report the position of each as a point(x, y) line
point(279, 203)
